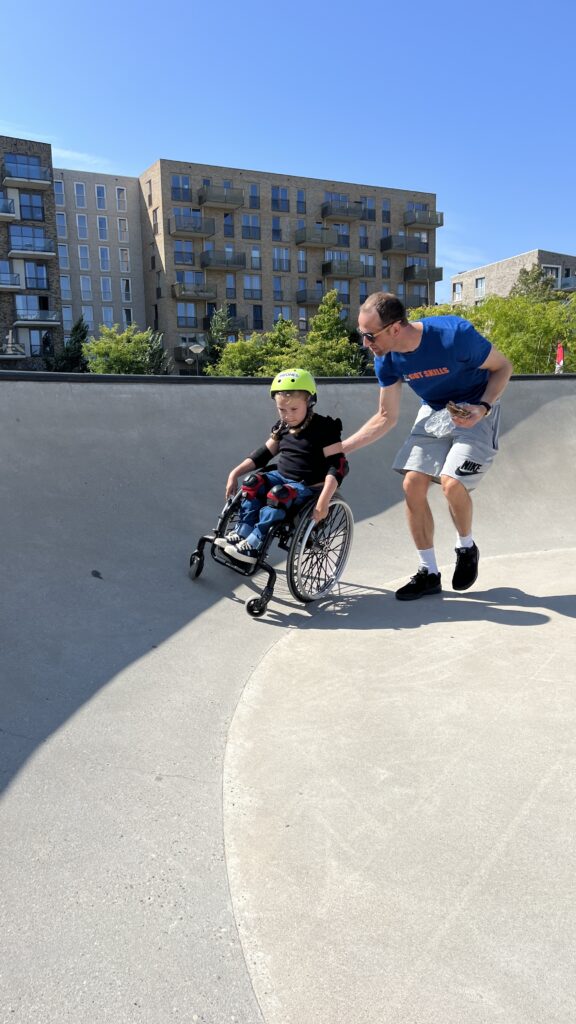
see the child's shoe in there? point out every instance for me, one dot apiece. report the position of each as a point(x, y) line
point(242, 552)
point(229, 538)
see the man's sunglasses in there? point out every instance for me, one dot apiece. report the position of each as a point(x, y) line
point(371, 335)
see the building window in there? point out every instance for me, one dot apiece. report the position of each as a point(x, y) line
point(35, 275)
point(82, 225)
point(276, 229)
point(369, 264)
point(121, 199)
point(127, 317)
point(385, 268)
point(181, 191)
point(281, 313)
point(86, 287)
point(480, 287)
point(385, 211)
point(61, 226)
point(186, 314)
point(250, 225)
point(106, 289)
point(84, 257)
point(67, 321)
point(280, 199)
point(343, 289)
point(280, 259)
point(457, 291)
point(100, 197)
point(301, 201)
point(124, 258)
point(88, 316)
point(343, 233)
point(122, 229)
point(302, 261)
point(277, 289)
point(108, 316)
point(104, 257)
point(31, 206)
point(183, 252)
point(80, 195)
point(254, 197)
point(362, 291)
point(59, 193)
point(228, 225)
point(255, 258)
point(553, 272)
point(412, 206)
point(252, 287)
point(102, 228)
point(257, 319)
point(362, 237)
point(126, 289)
point(65, 287)
point(230, 286)
point(63, 257)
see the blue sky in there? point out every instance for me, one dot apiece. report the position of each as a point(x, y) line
point(471, 101)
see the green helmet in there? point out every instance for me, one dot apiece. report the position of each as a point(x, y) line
point(293, 380)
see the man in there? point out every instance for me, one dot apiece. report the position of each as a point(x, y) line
point(443, 359)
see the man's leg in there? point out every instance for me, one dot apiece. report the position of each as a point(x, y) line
point(421, 526)
point(467, 554)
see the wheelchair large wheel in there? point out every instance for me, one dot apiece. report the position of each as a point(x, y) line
point(319, 552)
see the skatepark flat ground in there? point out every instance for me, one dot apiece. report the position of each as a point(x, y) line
point(354, 812)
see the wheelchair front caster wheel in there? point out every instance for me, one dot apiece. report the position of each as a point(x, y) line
point(256, 607)
point(196, 565)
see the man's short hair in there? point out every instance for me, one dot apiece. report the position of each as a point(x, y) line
point(388, 306)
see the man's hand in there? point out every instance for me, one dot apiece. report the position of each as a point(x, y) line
point(465, 415)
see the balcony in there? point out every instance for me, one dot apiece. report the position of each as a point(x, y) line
point(29, 246)
point(191, 227)
point(414, 301)
point(424, 218)
point(403, 244)
point(36, 317)
point(219, 259)
point(423, 274)
point(184, 291)
point(7, 209)
point(9, 282)
point(224, 198)
point(320, 237)
point(309, 296)
point(568, 284)
point(343, 268)
point(10, 348)
point(19, 173)
point(340, 210)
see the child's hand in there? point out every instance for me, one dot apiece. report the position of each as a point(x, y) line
point(231, 485)
point(321, 510)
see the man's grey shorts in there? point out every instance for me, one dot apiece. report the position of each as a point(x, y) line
point(463, 454)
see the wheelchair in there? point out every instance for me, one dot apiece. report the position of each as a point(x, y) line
point(316, 552)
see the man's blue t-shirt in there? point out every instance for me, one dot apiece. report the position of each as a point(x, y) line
point(445, 365)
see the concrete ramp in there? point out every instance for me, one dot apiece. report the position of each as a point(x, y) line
point(354, 811)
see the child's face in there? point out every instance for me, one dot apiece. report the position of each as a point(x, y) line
point(292, 408)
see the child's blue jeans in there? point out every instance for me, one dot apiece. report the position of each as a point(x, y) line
point(257, 518)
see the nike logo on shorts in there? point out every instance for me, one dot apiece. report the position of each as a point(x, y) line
point(469, 468)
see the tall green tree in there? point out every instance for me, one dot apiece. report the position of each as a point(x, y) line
point(534, 284)
point(71, 358)
point(128, 351)
point(217, 337)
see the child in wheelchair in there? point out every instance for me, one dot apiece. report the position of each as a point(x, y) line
point(309, 461)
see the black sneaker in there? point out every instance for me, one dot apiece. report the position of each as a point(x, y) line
point(242, 552)
point(466, 571)
point(422, 584)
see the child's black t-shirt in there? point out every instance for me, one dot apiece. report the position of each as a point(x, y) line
point(300, 455)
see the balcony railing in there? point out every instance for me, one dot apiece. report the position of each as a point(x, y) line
point(187, 321)
point(17, 172)
point(7, 209)
point(404, 244)
point(281, 265)
point(25, 246)
point(216, 259)
point(237, 323)
point(253, 294)
point(23, 317)
point(340, 210)
point(195, 227)
point(181, 290)
point(182, 194)
point(414, 301)
point(424, 218)
point(37, 282)
point(343, 268)
point(281, 205)
point(317, 237)
point(309, 296)
point(211, 195)
point(8, 281)
point(11, 348)
point(422, 273)
point(369, 270)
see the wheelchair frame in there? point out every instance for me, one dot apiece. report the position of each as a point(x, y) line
point(317, 552)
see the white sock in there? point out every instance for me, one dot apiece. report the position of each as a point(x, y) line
point(464, 542)
point(428, 560)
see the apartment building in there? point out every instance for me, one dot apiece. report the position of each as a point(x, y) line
point(30, 308)
point(471, 287)
point(167, 249)
point(271, 245)
point(99, 249)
